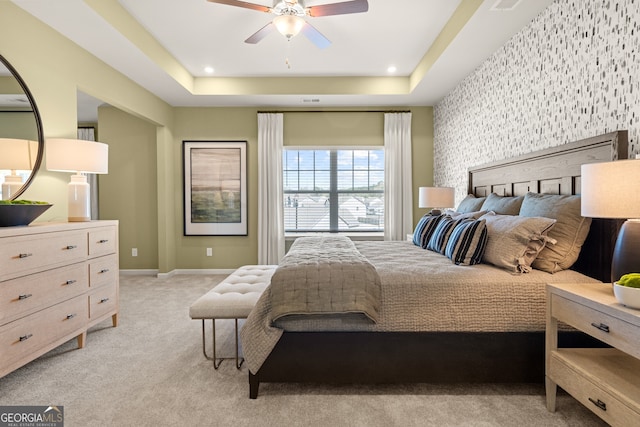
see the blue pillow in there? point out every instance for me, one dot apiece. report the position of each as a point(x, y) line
point(467, 242)
point(438, 241)
point(425, 228)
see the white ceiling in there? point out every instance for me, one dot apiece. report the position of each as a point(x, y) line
point(192, 34)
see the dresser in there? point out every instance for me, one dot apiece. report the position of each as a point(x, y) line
point(56, 281)
point(605, 380)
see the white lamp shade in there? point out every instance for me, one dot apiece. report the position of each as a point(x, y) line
point(18, 154)
point(436, 197)
point(611, 189)
point(76, 155)
point(289, 25)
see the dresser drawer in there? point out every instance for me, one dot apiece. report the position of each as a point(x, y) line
point(602, 326)
point(25, 336)
point(102, 241)
point(103, 301)
point(103, 271)
point(28, 254)
point(24, 295)
point(606, 404)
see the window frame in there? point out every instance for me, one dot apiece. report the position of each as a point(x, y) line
point(334, 192)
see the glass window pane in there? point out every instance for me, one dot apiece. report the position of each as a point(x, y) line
point(290, 161)
point(306, 159)
point(361, 180)
point(376, 180)
point(306, 212)
point(345, 180)
point(323, 181)
point(290, 180)
point(376, 159)
point(323, 160)
point(306, 180)
point(345, 159)
point(361, 159)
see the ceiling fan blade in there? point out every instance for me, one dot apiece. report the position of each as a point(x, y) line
point(343, 8)
point(244, 4)
point(261, 33)
point(315, 36)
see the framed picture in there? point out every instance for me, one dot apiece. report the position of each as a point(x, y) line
point(215, 188)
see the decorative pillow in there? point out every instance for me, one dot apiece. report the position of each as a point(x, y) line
point(514, 241)
point(470, 203)
point(465, 215)
point(570, 230)
point(424, 229)
point(442, 232)
point(467, 242)
point(502, 205)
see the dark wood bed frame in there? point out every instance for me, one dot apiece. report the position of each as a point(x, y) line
point(410, 357)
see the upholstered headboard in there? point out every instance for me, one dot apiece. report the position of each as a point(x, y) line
point(557, 171)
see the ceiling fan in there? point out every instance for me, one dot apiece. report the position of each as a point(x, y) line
point(289, 17)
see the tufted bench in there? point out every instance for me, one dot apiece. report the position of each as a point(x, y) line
point(233, 298)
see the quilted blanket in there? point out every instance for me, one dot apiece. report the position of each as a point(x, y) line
point(325, 275)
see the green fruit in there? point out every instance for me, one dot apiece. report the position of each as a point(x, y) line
point(631, 280)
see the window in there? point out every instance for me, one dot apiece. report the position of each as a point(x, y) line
point(333, 190)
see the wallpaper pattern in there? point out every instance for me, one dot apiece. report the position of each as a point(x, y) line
point(573, 73)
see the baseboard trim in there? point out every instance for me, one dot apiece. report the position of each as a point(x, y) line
point(139, 272)
point(198, 271)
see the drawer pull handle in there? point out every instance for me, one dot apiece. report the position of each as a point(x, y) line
point(599, 403)
point(601, 326)
point(25, 337)
point(104, 270)
point(70, 282)
point(103, 241)
point(70, 316)
point(103, 300)
point(71, 246)
point(25, 255)
point(24, 296)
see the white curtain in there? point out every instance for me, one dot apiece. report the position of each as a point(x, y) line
point(398, 189)
point(270, 202)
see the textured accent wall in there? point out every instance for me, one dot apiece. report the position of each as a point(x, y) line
point(573, 73)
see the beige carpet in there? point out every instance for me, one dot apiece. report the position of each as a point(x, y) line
point(150, 371)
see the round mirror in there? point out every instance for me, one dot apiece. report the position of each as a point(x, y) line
point(21, 136)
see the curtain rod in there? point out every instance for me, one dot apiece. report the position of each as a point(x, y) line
point(336, 111)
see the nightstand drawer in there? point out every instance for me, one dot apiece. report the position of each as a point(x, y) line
point(571, 368)
point(602, 326)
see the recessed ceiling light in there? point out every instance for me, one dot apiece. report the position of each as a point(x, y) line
point(209, 70)
point(392, 69)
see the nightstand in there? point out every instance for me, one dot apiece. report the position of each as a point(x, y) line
point(605, 380)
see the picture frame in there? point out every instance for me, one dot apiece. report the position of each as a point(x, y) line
point(215, 188)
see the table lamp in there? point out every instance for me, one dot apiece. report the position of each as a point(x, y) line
point(17, 154)
point(436, 198)
point(80, 157)
point(612, 190)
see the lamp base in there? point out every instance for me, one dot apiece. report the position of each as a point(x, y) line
point(626, 253)
point(79, 199)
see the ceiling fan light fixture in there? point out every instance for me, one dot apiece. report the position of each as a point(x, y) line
point(289, 25)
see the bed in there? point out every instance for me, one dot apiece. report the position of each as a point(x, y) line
point(457, 331)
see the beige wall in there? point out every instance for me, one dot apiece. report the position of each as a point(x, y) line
point(144, 187)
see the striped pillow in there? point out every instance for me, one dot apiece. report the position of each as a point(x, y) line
point(424, 229)
point(438, 241)
point(467, 242)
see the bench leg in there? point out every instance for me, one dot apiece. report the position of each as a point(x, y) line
point(238, 365)
point(216, 363)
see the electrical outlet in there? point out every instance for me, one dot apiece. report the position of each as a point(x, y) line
point(209, 252)
point(134, 251)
